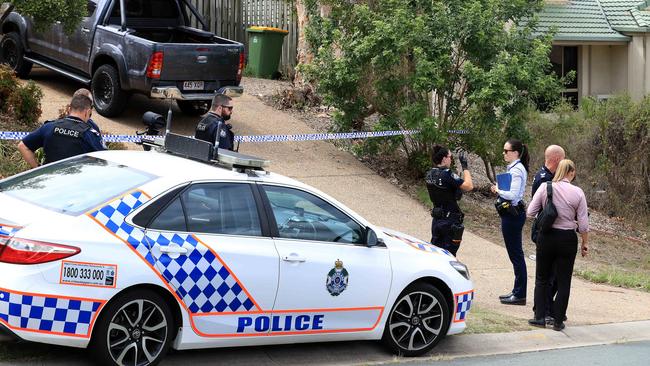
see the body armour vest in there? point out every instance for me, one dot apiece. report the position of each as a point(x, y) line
point(66, 140)
point(203, 128)
point(441, 192)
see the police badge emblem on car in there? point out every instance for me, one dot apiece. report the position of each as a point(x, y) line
point(337, 279)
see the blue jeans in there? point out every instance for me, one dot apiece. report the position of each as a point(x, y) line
point(511, 227)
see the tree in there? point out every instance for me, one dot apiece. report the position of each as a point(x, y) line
point(46, 12)
point(436, 66)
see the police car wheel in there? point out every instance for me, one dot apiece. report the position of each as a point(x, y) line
point(109, 98)
point(194, 107)
point(12, 54)
point(135, 329)
point(418, 320)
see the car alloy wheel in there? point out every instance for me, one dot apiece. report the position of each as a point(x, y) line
point(418, 321)
point(137, 333)
point(10, 53)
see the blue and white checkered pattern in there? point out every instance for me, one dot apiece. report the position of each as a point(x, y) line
point(48, 314)
point(463, 304)
point(427, 247)
point(8, 230)
point(199, 278)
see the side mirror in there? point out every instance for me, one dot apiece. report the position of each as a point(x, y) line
point(371, 238)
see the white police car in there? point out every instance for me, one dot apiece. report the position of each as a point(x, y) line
point(132, 252)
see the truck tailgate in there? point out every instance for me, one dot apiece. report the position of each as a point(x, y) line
point(186, 62)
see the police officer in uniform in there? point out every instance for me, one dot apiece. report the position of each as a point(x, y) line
point(65, 137)
point(445, 189)
point(215, 123)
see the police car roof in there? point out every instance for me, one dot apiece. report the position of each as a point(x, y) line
point(183, 169)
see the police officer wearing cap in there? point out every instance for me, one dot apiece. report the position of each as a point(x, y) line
point(445, 189)
point(214, 123)
point(65, 137)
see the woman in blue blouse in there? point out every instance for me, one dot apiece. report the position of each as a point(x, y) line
point(513, 217)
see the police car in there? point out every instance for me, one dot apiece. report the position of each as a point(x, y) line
point(130, 253)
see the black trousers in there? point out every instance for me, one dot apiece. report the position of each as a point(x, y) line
point(511, 226)
point(556, 254)
point(441, 234)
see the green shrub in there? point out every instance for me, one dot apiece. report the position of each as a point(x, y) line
point(8, 83)
point(46, 12)
point(25, 104)
point(610, 143)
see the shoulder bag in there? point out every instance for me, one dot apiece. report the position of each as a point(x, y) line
point(545, 218)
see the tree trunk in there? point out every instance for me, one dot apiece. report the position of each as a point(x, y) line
point(304, 55)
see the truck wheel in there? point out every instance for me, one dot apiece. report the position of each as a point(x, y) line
point(134, 329)
point(12, 53)
point(109, 98)
point(194, 107)
point(418, 320)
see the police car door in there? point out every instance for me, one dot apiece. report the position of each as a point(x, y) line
point(209, 246)
point(330, 282)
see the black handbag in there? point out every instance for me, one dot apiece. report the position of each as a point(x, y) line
point(545, 218)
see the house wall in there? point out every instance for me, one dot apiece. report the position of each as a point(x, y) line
point(603, 70)
point(618, 68)
point(636, 76)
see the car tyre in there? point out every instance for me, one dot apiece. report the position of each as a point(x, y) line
point(12, 53)
point(418, 320)
point(194, 107)
point(109, 98)
point(134, 329)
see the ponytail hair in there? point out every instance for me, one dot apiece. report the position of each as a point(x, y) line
point(439, 153)
point(522, 149)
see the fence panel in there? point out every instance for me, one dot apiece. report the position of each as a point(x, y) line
point(230, 18)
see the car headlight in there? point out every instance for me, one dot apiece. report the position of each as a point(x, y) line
point(461, 268)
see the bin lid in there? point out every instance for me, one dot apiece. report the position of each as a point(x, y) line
point(258, 29)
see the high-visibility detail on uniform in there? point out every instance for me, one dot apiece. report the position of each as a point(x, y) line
point(48, 313)
point(427, 247)
point(200, 279)
point(463, 302)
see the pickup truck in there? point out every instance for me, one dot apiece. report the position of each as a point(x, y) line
point(130, 46)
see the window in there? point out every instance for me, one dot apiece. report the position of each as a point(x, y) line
point(565, 60)
point(215, 208)
point(76, 185)
point(90, 8)
point(300, 215)
point(171, 218)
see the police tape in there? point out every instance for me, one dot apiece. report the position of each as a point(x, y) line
point(11, 135)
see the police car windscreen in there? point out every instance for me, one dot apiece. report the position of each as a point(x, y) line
point(76, 185)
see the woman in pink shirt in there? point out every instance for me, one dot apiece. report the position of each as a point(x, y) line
point(558, 247)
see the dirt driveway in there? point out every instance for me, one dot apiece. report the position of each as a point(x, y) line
point(339, 174)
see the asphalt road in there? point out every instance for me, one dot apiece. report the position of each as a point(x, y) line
point(625, 354)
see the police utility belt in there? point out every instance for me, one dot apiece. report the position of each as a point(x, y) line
point(505, 207)
point(440, 213)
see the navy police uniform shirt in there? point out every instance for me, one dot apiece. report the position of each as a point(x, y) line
point(543, 175)
point(206, 130)
point(442, 188)
point(91, 139)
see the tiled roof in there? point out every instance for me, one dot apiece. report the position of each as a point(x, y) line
point(627, 15)
point(579, 20)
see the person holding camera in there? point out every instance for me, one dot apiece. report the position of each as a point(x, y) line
point(445, 189)
point(557, 248)
point(512, 210)
point(214, 124)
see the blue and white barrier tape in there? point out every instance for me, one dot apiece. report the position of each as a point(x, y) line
point(11, 135)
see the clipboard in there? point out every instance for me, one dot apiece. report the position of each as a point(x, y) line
point(503, 181)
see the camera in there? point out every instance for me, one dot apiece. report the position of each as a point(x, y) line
point(154, 123)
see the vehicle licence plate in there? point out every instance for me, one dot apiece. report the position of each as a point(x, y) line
point(88, 274)
point(192, 85)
